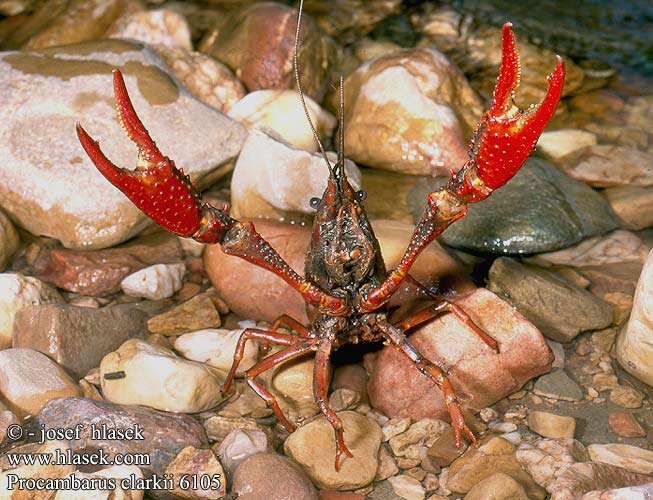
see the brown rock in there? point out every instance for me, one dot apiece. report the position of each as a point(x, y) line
point(422, 131)
point(266, 32)
point(606, 165)
point(549, 301)
point(7, 418)
point(219, 427)
point(340, 495)
point(632, 458)
point(197, 313)
point(8, 240)
point(165, 434)
point(239, 445)
point(444, 449)
point(29, 379)
point(77, 337)
point(624, 424)
point(252, 292)
point(202, 464)
point(99, 272)
point(584, 477)
point(268, 476)
point(551, 425)
point(632, 204)
point(497, 486)
point(478, 374)
point(494, 455)
point(71, 21)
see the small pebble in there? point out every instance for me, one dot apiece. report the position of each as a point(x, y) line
point(407, 487)
point(156, 282)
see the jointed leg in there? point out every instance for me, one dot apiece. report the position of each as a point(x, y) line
point(435, 373)
point(292, 352)
point(444, 305)
point(320, 389)
point(254, 334)
point(292, 323)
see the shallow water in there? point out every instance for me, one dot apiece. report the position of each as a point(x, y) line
point(617, 33)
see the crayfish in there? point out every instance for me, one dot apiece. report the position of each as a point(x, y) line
point(345, 280)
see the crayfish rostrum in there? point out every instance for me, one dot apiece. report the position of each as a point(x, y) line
point(345, 280)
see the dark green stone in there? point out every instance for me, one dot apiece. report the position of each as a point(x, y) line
point(540, 210)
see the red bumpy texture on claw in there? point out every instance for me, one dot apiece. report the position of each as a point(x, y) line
point(507, 135)
point(156, 186)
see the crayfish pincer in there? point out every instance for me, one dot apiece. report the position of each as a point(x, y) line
point(345, 279)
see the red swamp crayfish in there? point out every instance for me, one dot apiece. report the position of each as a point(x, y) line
point(345, 281)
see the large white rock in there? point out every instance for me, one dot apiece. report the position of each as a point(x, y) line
point(18, 291)
point(271, 177)
point(140, 373)
point(50, 187)
point(634, 344)
point(282, 111)
point(216, 347)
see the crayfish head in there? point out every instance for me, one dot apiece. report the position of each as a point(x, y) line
point(344, 252)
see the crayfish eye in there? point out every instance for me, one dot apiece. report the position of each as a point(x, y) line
point(361, 195)
point(314, 202)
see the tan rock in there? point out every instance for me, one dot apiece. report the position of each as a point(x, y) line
point(422, 434)
point(409, 111)
point(36, 471)
point(626, 397)
point(395, 426)
point(444, 449)
point(216, 347)
point(16, 292)
point(197, 313)
point(551, 425)
point(632, 458)
point(272, 178)
point(139, 373)
point(211, 81)
point(103, 492)
point(313, 446)
point(634, 345)
point(497, 486)
point(407, 487)
point(201, 467)
point(72, 201)
point(616, 247)
point(605, 165)
point(8, 240)
point(163, 26)
point(240, 444)
point(387, 465)
point(29, 379)
point(282, 112)
point(632, 204)
point(494, 455)
point(218, 427)
point(292, 384)
point(7, 418)
point(560, 143)
point(478, 374)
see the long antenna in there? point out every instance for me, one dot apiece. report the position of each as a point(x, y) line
point(341, 117)
point(301, 92)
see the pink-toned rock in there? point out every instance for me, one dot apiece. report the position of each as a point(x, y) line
point(605, 165)
point(254, 293)
point(479, 375)
point(410, 111)
point(100, 272)
point(266, 32)
point(582, 478)
point(624, 424)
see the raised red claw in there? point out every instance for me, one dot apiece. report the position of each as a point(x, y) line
point(155, 186)
point(507, 135)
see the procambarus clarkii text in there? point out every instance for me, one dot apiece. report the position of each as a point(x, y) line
point(345, 281)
